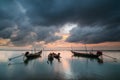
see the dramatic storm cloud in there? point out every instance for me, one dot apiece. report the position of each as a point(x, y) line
point(94, 35)
point(16, 25)
point(28, 21)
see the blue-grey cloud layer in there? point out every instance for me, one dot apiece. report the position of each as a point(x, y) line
point(38, 20)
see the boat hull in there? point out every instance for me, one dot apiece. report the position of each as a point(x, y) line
point(32, 56)
point(84, 55)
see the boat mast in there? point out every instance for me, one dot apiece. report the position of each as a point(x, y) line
point(71, 48)
point(86, 48)
point(34, 50)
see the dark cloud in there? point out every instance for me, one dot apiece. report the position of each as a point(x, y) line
point(94, 35)
point(56, 12)
point(16, 25)
point(36, 34)
point(26, 21)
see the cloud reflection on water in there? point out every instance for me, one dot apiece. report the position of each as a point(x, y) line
point(69, 67)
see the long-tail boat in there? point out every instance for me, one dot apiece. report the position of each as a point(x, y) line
point(32, 56)
point(88, 55)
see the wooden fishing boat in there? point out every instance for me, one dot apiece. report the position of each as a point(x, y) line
point(87, 55)
point(57, 56)
point(32, 56)
point(50, 57)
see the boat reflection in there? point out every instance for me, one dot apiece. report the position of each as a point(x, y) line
point(51, 57)
point(99, 60)
point(27, 60)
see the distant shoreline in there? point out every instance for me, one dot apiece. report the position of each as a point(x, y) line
point(53, 50)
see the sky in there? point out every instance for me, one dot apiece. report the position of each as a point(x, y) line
point(60, 23)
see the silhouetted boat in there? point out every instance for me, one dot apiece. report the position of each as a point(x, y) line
point(50, 56)
point(88, 55)
point(57, 56)
point(32, 56)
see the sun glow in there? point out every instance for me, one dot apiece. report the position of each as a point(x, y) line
point(4, 41)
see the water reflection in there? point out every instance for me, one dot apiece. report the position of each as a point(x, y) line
point(26, 57)
point(24, 61)
point(27, 60)
point(51, 57)
point(99, 60)
point(64, 68)
point(4, 56)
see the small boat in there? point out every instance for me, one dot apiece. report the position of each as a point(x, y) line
point(57, 56)
point(87, 55)
point(50, 56)
point(32, 56)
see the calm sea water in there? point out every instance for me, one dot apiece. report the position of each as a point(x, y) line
point(67, 68)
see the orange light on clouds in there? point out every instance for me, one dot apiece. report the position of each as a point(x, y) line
point(63, 43)
point(106, 45)
point(4, 41)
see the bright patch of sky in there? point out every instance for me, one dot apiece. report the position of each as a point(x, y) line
point(67, 28)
